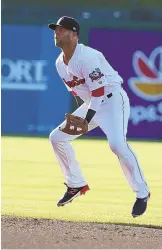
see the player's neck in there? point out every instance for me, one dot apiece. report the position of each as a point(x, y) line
point(68, 52)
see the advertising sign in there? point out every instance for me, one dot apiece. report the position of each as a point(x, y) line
point(137, 56)
point(34, 99)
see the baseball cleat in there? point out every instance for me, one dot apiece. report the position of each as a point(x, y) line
point(140, 206)
point(71, 194)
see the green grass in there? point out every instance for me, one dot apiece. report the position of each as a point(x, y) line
point(32, 182)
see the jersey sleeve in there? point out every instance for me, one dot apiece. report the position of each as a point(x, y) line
point(93, 72)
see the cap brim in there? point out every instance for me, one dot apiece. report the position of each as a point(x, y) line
point(52, 26)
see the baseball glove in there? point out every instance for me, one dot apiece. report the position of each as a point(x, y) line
point(75, 125)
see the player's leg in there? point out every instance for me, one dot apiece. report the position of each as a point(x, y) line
point(113, 120)
point(61, 143)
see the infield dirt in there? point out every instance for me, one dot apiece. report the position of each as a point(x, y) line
point(31, 233)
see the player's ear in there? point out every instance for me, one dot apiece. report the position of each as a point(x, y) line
point(71, 35)
point(75, 35)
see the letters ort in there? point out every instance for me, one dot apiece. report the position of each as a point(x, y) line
point(23, 70)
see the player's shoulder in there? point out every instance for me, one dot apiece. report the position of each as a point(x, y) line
point(88, 52)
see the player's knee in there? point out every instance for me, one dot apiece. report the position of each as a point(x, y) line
point(53, 138)
point(114, 148)
point(117, 148)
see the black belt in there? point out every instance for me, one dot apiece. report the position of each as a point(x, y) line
point(108, 96)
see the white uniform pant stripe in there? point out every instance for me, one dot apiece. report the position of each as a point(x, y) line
point(137, 164)
point(139, 169)
point(113, 121)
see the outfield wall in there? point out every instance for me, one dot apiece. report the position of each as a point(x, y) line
point(137, 56)
point(34, 99)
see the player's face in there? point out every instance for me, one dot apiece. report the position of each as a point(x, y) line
point(62, 36)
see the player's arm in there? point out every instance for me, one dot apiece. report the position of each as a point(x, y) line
point(95, 103)
point(79, 101)
point(95, 79)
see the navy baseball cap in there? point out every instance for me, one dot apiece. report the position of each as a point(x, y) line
point(67, 23)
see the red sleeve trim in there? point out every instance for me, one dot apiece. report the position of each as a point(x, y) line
point(98, 92)
point(74, 93)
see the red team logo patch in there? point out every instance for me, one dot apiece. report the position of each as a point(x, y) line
point(96, 74)
point(148, 83)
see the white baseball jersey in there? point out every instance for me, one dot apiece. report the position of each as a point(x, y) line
point(87, 71)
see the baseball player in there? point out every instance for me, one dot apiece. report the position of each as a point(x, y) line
point(97, 87)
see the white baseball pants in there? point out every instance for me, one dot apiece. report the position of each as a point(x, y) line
point(112, 118)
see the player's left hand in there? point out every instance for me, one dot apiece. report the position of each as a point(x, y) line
point(75, 125)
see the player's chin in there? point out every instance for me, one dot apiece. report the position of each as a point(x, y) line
point(57, 44)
